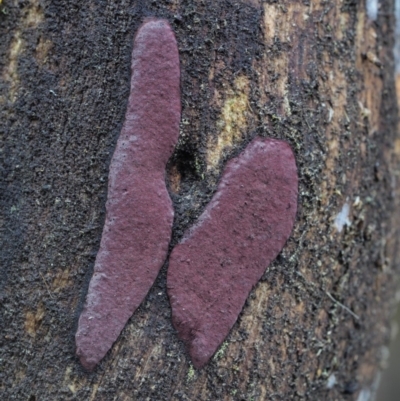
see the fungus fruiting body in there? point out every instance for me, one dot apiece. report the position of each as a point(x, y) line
point(139, 212)
point(242, 230)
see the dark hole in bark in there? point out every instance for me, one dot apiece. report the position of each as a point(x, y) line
point(182, 164)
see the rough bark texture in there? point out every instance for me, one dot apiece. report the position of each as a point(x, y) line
point(315, 73)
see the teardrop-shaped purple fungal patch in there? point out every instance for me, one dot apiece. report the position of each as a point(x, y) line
point(139, 215)
point(244, 227)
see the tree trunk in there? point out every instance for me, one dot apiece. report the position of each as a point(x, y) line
point(314, 73)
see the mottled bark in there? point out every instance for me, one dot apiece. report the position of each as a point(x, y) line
point(316, 74)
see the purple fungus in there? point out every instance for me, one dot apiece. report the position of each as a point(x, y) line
point(242, 230)
point(139, 212)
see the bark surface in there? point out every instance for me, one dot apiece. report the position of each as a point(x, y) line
point(314, 73)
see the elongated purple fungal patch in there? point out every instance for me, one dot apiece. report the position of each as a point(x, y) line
point(244, 227)
point(139, 215)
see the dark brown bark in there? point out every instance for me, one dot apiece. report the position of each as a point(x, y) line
point(316, 74)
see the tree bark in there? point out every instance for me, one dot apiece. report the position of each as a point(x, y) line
point(317, 74)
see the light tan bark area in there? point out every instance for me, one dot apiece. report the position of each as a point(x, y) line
point(316, 74)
